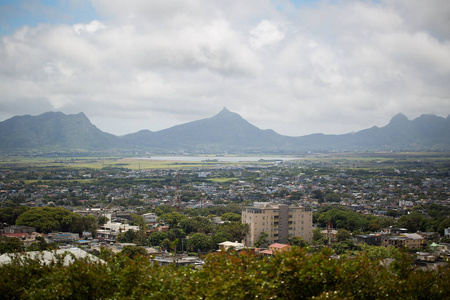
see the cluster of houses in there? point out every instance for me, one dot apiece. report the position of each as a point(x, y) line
point(373, 194)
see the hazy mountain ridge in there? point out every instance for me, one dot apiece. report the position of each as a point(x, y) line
point(225, 132)
point(53, 131)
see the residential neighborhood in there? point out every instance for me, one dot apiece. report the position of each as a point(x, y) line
point(276, 200)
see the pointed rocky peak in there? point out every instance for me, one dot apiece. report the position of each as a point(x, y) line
point(83, 117)
point(225, 113)
point(225, 110)
point(399, 119)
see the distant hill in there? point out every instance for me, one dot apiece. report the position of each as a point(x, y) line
point(428, 132)
point(224, 132)
point(53, 131)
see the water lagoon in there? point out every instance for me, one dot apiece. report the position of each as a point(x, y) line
point(187, 158)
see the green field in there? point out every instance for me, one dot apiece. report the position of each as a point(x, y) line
point(223, 179)
point(352, 160)
point(105, 162)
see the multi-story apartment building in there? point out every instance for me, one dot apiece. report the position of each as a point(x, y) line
point(279, 221)
point(410, 240)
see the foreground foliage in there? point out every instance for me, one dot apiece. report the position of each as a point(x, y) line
point(293, 275)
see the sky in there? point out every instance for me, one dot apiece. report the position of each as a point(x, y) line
point(297, 67)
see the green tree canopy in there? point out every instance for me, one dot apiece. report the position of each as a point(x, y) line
point(231, 217)
point(157, 237)
point(10, 244)
point(343, 235)
point(48, 219)
point(196, 224)
point(297, 241)
point(200, 242)
point(413, 222)
point(139, 221)
point(133, 251)
point(344, 219)
point(262, 240)
point(236, 230)
point(172, 218)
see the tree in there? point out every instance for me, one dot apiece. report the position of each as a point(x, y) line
point(413, 222)
point(262, 240)
point(48, 219)
point(318, 238)
point(173, 245)
point(10, 244)
point(139, 221)
point(332, 197)
point(172, 218)
point(165, 244)
point(295, 274)
point(9, 215)
point(236, 230)
point(102, 220)
point(131, 236)
point(176, 233)
point(343, 219)
point(220, 237)
point(133, 251)
point(86, 223)
point(200, 242)
point(197, 224)
point(231, 217)
point(156, 238)
point(344, 247)
point(42, 245)
point(444, 224)
point(380, 252)
point(127, 237)
point(318, 194)
point(343, 235)
point(297, 241)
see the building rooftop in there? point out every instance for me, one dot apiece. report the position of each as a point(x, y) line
point(46, 257)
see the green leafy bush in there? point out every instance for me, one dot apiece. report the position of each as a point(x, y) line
point(296, 274)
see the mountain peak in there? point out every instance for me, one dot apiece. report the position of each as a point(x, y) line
point(225, 113)
point(398, 119)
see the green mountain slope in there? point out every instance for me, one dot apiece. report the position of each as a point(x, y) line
point(53, 131)
point(224, 132)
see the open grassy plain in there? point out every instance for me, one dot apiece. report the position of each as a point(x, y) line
point(350, 160)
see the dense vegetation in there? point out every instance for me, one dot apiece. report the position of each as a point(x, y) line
point(48, 219)
point(293, 275)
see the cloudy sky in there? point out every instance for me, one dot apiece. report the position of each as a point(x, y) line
point(298, 67)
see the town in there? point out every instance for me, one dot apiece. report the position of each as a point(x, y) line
point(375, 202)
point(380, 206)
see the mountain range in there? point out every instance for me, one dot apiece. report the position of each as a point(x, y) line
point(226, 132)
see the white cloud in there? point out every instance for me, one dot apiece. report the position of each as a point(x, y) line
point(332, 67)
point(90, 28)
point(265, 33)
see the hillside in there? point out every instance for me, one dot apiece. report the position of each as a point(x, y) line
point(53, 131)
point(225, 132)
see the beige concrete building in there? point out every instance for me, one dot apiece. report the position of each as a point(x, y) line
point(278, 221)
point(410, 240)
